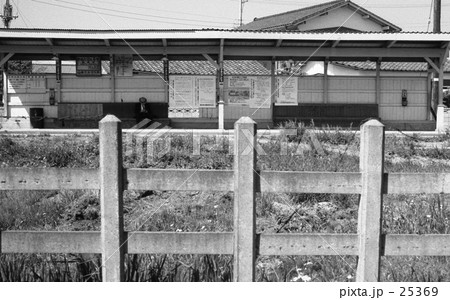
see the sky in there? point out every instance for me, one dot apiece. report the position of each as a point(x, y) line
point(410, 15)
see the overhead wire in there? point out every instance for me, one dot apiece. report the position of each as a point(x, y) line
point(132, 13)
point(164, 10)
point(25, 19)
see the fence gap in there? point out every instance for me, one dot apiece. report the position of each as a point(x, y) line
point(244, 200)
point(111, 199)
point(370, 206)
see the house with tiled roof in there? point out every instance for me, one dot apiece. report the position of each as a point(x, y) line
point(334, 16)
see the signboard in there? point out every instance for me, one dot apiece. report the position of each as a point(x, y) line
point(26, 84)
point(17, 84)
point(206, 91)
point(260, 93)
point(188, 93)
point(238, 91)
point(253, 91)
point(88, 66)
point(123, 65)
point(181, 92)
point(182, 102)
point(287, 91)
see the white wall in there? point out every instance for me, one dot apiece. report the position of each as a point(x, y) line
point(87, 90)
point(361, 90)
point(390, 103)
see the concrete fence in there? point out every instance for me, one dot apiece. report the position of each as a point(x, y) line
point(244, 243)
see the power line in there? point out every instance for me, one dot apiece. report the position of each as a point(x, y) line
point(309, 3)
point(138, 14)
point(163, 10)
point(24, 17)
point(120, 16)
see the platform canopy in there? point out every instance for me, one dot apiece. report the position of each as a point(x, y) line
point(35, 44)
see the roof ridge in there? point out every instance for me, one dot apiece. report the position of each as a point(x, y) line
point(301, 9)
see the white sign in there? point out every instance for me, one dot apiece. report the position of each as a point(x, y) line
point(181, 92)
point(26, 84)
point(287, 88)
point(123, 65)
point(206, 91)
point(238, 91)
point(253, 91)
point(260, 95)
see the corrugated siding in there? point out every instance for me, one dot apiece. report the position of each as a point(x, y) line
point(209, 112)
point(310, 89)
point(85, 89)
point(98, 89)
point(391, 99)
point(360, 90)
point(130, 89)
point(340, 89)
point(234, 112)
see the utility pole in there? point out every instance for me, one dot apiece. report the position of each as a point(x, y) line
point(242, 11)
point(7, 16)
point(435, 86)
point(437, 16)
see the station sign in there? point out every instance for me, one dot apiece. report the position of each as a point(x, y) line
point(88, 66)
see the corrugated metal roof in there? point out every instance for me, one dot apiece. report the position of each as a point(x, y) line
point(389, 66)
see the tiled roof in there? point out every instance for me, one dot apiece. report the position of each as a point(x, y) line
point(231, 67)
point(280, 20)
point(389, 66)
point(48, 67)
point(288, 19)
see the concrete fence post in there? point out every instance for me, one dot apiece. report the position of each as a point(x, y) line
point(370, 206)
point(111, 199)
point(244, 199)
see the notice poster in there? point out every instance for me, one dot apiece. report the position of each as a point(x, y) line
point(26, 84)
point(183, 102)
point(123, 65)
point(261, 96)
point(238, 91)
point(206, 91)
point(287, 91)
point(17, 84)
point(181, 93)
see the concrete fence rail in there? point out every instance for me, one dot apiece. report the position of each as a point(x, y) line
point(244, 243)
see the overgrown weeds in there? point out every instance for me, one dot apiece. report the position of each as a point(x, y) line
point(212, 211)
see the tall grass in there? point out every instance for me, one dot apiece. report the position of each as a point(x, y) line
point(212, 211)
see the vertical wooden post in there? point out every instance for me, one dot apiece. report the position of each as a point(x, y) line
point(111, 199)
point(378, 85)
point(58, 71)
point(112, 77)
point(370, 206)
point(244, 199)
point(325, 81)
point(378, 82)
point(5, 92)
point(429, 91)
point(220, 74)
